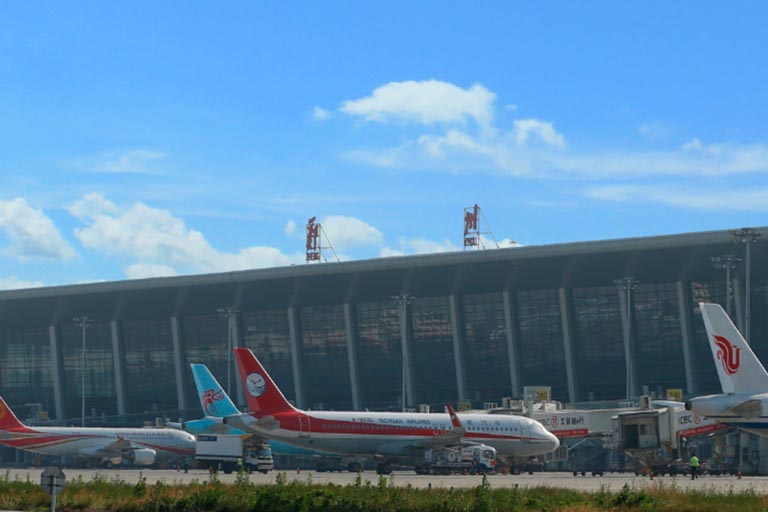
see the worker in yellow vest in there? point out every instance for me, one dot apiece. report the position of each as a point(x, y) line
point(694, 463)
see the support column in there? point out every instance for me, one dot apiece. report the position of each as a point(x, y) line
point(237, 342)
point(738, 301)
point(179, 362)
point(454, 305)
point(405, 346)
point(684, 308)
point(296, 352)
point(57, 371)
point(570, 356)
point(354, 379)
point(119, 358)
point(510, 326)
point(629, 342)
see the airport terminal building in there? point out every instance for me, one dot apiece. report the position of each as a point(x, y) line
point(599, 320)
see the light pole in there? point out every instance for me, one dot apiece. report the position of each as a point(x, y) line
point(746, 236)
point(727, 262)
point(626, 285)
point(230, 313)
point(403, 300)
point(83, 322)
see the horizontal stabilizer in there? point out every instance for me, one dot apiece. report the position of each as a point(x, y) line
point(749, 409)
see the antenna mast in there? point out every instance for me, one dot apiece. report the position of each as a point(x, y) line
point(473, 236)
point(315, 238)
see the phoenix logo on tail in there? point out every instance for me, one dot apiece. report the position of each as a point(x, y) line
point(209, 398)
point(729, 355)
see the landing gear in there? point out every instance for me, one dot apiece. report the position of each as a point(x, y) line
point(354, 467)
point(384, 468)
point(108, 464)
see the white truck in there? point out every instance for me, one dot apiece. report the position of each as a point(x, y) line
point(221, 452)
point(469, 458)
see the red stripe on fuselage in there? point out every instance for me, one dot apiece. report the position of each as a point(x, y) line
point(318, 426)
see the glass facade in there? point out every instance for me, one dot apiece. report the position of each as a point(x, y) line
point(150, 373)
point(541, 350)
point(594, 312)
point(432, 351)
point(379, 354)
point(100, 394)
point(759, 327)
point(705, 378)
point(658, 338)
point(26, 375)
point(486, 359)
point(205, 339)
point(325, 365)
point(599, 344)
point(268, 335)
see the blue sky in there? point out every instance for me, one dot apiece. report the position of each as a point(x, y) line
point(145, 139)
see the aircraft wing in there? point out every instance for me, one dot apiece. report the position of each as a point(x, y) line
point(114, 449)
point(448, 438)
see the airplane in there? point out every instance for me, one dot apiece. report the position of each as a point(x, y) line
point(388, 437)
point(111, 446)
point(217, 404)
point(744, 381)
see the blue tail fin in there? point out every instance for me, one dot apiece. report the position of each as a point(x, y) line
point(215, 401)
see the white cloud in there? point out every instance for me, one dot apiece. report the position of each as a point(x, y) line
point(14, 283)
point(655, 130)
point(31, 232)
point(160, 242)
point(754, 199)
point(349, 232)
point(145, 270)
point(133, 161)
point(320, 114)
point(419, 246)
point(290, 227)
point(524, 128)
point(427, 102)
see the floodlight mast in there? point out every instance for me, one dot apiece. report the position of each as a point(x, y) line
point(83, 322)
point(747, 236)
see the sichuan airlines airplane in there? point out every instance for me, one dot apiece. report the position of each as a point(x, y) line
point(108, 445)
point(389, 437)
point(216, 405)
point(744, 401)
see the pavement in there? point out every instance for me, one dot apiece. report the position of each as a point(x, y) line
point(612, 482)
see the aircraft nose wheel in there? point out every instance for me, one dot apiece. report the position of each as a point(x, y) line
point(384, 468)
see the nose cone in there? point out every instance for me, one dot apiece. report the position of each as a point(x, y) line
point(552, 442)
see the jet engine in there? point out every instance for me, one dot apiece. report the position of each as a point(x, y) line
point(142, 457)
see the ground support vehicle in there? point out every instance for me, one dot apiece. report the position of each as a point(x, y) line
point(467, 459)
point(223, 452)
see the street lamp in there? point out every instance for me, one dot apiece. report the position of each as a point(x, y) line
point(746, 236)
point(403, 300)
point(230, 313)
point(83, 322)
point(626, 285)
point(727, 262)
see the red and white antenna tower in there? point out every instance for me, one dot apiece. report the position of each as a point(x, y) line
point(315, 246)
point(473, 236)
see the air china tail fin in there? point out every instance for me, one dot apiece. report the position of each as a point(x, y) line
point(8, 420)
point(737, 366)
point(213, 398)
point(264, 397)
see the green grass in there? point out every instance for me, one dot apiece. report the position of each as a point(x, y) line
point(118, 496)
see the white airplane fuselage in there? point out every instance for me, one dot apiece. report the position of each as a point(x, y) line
point(396, 434)
point(74, 441)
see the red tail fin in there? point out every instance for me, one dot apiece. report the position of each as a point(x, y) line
point(264, 397)
point(8, 420)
